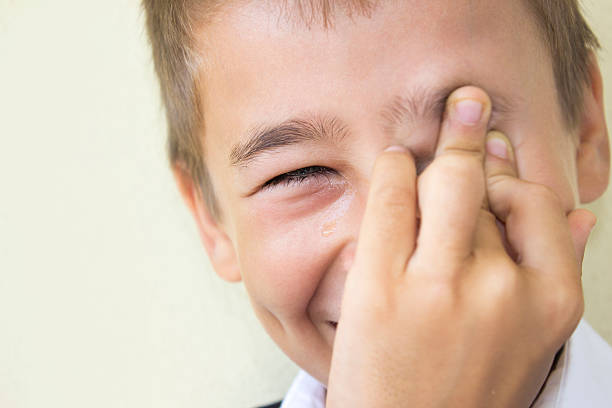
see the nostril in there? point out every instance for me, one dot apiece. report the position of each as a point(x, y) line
point(332, 324)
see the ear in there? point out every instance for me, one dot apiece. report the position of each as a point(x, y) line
point(593, 155)
point(216, 242)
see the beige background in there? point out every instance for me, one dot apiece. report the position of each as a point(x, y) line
point(106, 297)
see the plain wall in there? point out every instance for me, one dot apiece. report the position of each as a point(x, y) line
point(107, 298)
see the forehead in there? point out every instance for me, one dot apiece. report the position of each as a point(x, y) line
point(326, 13)
point(267, 64)
point(319, 12)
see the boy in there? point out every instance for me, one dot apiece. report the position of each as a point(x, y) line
point(395, 183)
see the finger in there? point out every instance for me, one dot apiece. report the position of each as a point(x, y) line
point(536, 224)
point(488, 236)
point(388, 230)
point(581, 223)
point(499, 159)
point(452, 188)
point(466, 117)
point(501, 173)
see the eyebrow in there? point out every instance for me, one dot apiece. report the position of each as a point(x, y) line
point(265, 139)
point(401, 109)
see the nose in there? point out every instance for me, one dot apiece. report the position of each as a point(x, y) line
point(327, 301)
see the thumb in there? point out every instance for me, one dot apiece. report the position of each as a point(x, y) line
point(581, 223)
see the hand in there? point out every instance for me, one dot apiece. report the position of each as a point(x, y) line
point(439, 315)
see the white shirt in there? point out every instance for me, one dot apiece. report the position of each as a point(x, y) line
point(582, 377)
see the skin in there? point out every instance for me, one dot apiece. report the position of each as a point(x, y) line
point(441, 317)
point(293, 245)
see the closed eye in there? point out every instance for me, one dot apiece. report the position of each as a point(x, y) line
point(311, 174)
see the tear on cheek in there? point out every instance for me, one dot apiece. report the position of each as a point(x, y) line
point(336, 212)
point(328, 228)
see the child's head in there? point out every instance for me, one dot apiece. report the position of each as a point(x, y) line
point(255, 90)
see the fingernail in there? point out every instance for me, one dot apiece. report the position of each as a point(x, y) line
point(396, 148)
point(468, 111)
point(497, 146)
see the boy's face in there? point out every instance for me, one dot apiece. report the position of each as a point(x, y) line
point(294, 238)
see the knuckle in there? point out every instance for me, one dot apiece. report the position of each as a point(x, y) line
point(457, 168)
point(465, 145)
point(439, 273)
point(436, 278)
point(564, 307)
point(502, 285)
point(496, 181)
point(541, 194)
point(496, 292)
point(438, 294)
point(502, 184)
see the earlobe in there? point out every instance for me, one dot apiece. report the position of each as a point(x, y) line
point(593, 154)
point(217, 243)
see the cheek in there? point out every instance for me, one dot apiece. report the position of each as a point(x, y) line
point(286, 243)
point(282, 262)
point(286, 249)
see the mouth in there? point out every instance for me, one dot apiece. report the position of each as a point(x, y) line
point(333, 324)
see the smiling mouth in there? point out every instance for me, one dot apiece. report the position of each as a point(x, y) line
point(333, 325)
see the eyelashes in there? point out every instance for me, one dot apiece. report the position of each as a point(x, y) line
point(318, 174)
point(301, 176)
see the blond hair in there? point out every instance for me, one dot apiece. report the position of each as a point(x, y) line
point(170, 26)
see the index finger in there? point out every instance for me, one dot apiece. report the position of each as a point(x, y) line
point(452, 189)
point(388, 230)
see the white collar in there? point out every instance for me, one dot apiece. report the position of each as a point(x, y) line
point(582, 377)
point(305, 392)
